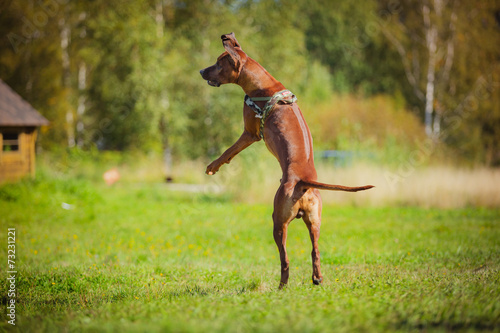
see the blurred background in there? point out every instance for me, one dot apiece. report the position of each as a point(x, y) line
point(404, 95)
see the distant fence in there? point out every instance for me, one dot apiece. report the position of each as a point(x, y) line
point(342, 158)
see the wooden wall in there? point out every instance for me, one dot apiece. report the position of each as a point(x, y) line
point(17, 164)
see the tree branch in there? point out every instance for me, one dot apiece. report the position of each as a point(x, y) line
point(406, 64)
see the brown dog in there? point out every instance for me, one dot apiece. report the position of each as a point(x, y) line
point(281, 124)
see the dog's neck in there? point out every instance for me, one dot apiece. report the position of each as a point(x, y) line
point(256, 81)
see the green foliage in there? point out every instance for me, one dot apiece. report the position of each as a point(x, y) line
point(465, 69)
point(340, 34)
point(143, 91)
point(184, 262)
point(127, 78)
point(472, 117)
point(375, 124)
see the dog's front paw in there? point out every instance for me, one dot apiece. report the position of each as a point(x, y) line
point(213, 167)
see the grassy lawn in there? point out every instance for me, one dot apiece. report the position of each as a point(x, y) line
point(138, 258)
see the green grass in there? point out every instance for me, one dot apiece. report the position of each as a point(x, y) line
point(138, 258)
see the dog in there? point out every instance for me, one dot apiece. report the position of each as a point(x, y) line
point(270, 113)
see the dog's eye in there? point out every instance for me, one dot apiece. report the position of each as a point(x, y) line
point(218, 67)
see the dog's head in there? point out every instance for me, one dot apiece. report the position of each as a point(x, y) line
point(228, 65)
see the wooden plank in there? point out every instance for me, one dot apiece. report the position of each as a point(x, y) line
point(18, 164)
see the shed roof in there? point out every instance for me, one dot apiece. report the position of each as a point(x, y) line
point(15, 111)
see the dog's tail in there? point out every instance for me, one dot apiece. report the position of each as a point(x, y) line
point(305, 184)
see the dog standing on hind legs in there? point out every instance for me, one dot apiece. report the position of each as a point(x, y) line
point(270, 113)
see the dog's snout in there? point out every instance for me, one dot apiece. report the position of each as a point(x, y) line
point(202, 71)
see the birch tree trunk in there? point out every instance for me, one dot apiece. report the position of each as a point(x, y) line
point(163, 125)
point(430, 40)
point(80, 111)
point(82, 84)
point(65, 40)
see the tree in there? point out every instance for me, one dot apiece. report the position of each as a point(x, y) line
point(30, 61)
point(124, 75)
point(471, 121)
point(340, 35)
point(423, 33)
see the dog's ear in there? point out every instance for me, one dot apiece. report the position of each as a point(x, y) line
point(230, 44)
point(230, 38)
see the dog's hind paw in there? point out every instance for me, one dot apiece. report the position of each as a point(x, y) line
point(317, 281)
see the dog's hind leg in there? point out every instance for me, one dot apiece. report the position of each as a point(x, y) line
point(284, 212)
point(279, 233)
point(312, 219)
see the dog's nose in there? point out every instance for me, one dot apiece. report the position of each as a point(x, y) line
point(201, 71)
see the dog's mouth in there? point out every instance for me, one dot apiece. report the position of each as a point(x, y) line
point(213, 83)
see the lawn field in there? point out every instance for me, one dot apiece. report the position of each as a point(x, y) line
point(140, 258)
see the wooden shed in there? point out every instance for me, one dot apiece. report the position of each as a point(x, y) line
point(18, 126)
